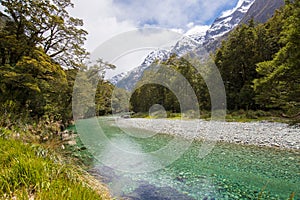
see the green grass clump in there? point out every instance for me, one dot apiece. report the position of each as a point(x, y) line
point(26, 173)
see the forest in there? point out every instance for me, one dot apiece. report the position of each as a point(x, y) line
point(259, 65)
point(42, 51)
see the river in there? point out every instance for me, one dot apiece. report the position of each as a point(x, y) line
point(229, 171)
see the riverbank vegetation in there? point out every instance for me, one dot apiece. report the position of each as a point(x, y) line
point(41, 51)
point(32, 171)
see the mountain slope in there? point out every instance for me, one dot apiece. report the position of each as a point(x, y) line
point(224, 24)
point(262, 10)
point(259, 10)
point(128, 80)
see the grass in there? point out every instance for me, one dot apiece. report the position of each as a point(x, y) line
point(31, 172)
point(33, 165)
point(231, 116)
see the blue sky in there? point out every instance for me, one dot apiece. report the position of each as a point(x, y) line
point(106, 18)
point(171, 13)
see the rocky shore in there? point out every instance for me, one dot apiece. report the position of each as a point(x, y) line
point(262, 133)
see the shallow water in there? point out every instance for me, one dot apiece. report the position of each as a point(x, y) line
point(229, 171)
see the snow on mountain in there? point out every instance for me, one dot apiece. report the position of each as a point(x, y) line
point(228, 20)
point(197, 32)
point(196, 37)
point(184, 45)
point(155, 55)
point(227, 13)
point(262, 10)
point(115, 79)
point(129, 79)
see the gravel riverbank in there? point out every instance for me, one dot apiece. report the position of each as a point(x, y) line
point(254, 133)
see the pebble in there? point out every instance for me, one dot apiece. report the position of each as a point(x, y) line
point(271, 134)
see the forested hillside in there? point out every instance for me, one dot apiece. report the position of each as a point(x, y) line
point(259, 64)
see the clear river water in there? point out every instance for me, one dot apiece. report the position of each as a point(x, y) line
point(229, 171)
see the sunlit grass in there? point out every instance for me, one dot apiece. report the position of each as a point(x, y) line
point(28, 172)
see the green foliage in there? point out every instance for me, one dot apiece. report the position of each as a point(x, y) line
point(25, 173)
point(236, 61)
point(146, 95)
point(35, 83)
point(279, 86)
point(37, 39)
point(92, 95)
point(46, 24)
point(119, 101)
point(260, 63)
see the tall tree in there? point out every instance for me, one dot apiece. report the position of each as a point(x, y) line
point(47, 24)
point(37, 38)
point(279, 86)
point(236, 61)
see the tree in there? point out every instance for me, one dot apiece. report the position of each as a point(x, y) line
point(37, 38)
point(279, 86)
point(149, 92)
point(35, 83)
point(236, 60)
point(46, 24)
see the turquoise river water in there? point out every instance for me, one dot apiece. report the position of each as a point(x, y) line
point(230, 171)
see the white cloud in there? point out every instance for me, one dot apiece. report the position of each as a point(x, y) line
point(104, 19)
point(169, 13)
point(99, 20)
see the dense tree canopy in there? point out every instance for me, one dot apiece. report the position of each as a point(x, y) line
point(38, 39)
point(146, 95)
point(260, 63)
point(279, 85)
point(46, 24)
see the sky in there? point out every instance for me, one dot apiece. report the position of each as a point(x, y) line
point(104, 19)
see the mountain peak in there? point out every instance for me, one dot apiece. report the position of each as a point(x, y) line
point(228, 20)
point(197, 37)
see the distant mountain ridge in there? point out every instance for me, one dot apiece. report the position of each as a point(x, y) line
point(259, 10)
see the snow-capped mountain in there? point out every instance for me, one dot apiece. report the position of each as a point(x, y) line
point(182, 47)
point(192, 40)
point(227, 21)
point(115, 79)
point(155, 55)
point(185, 44)
point(129, 79)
